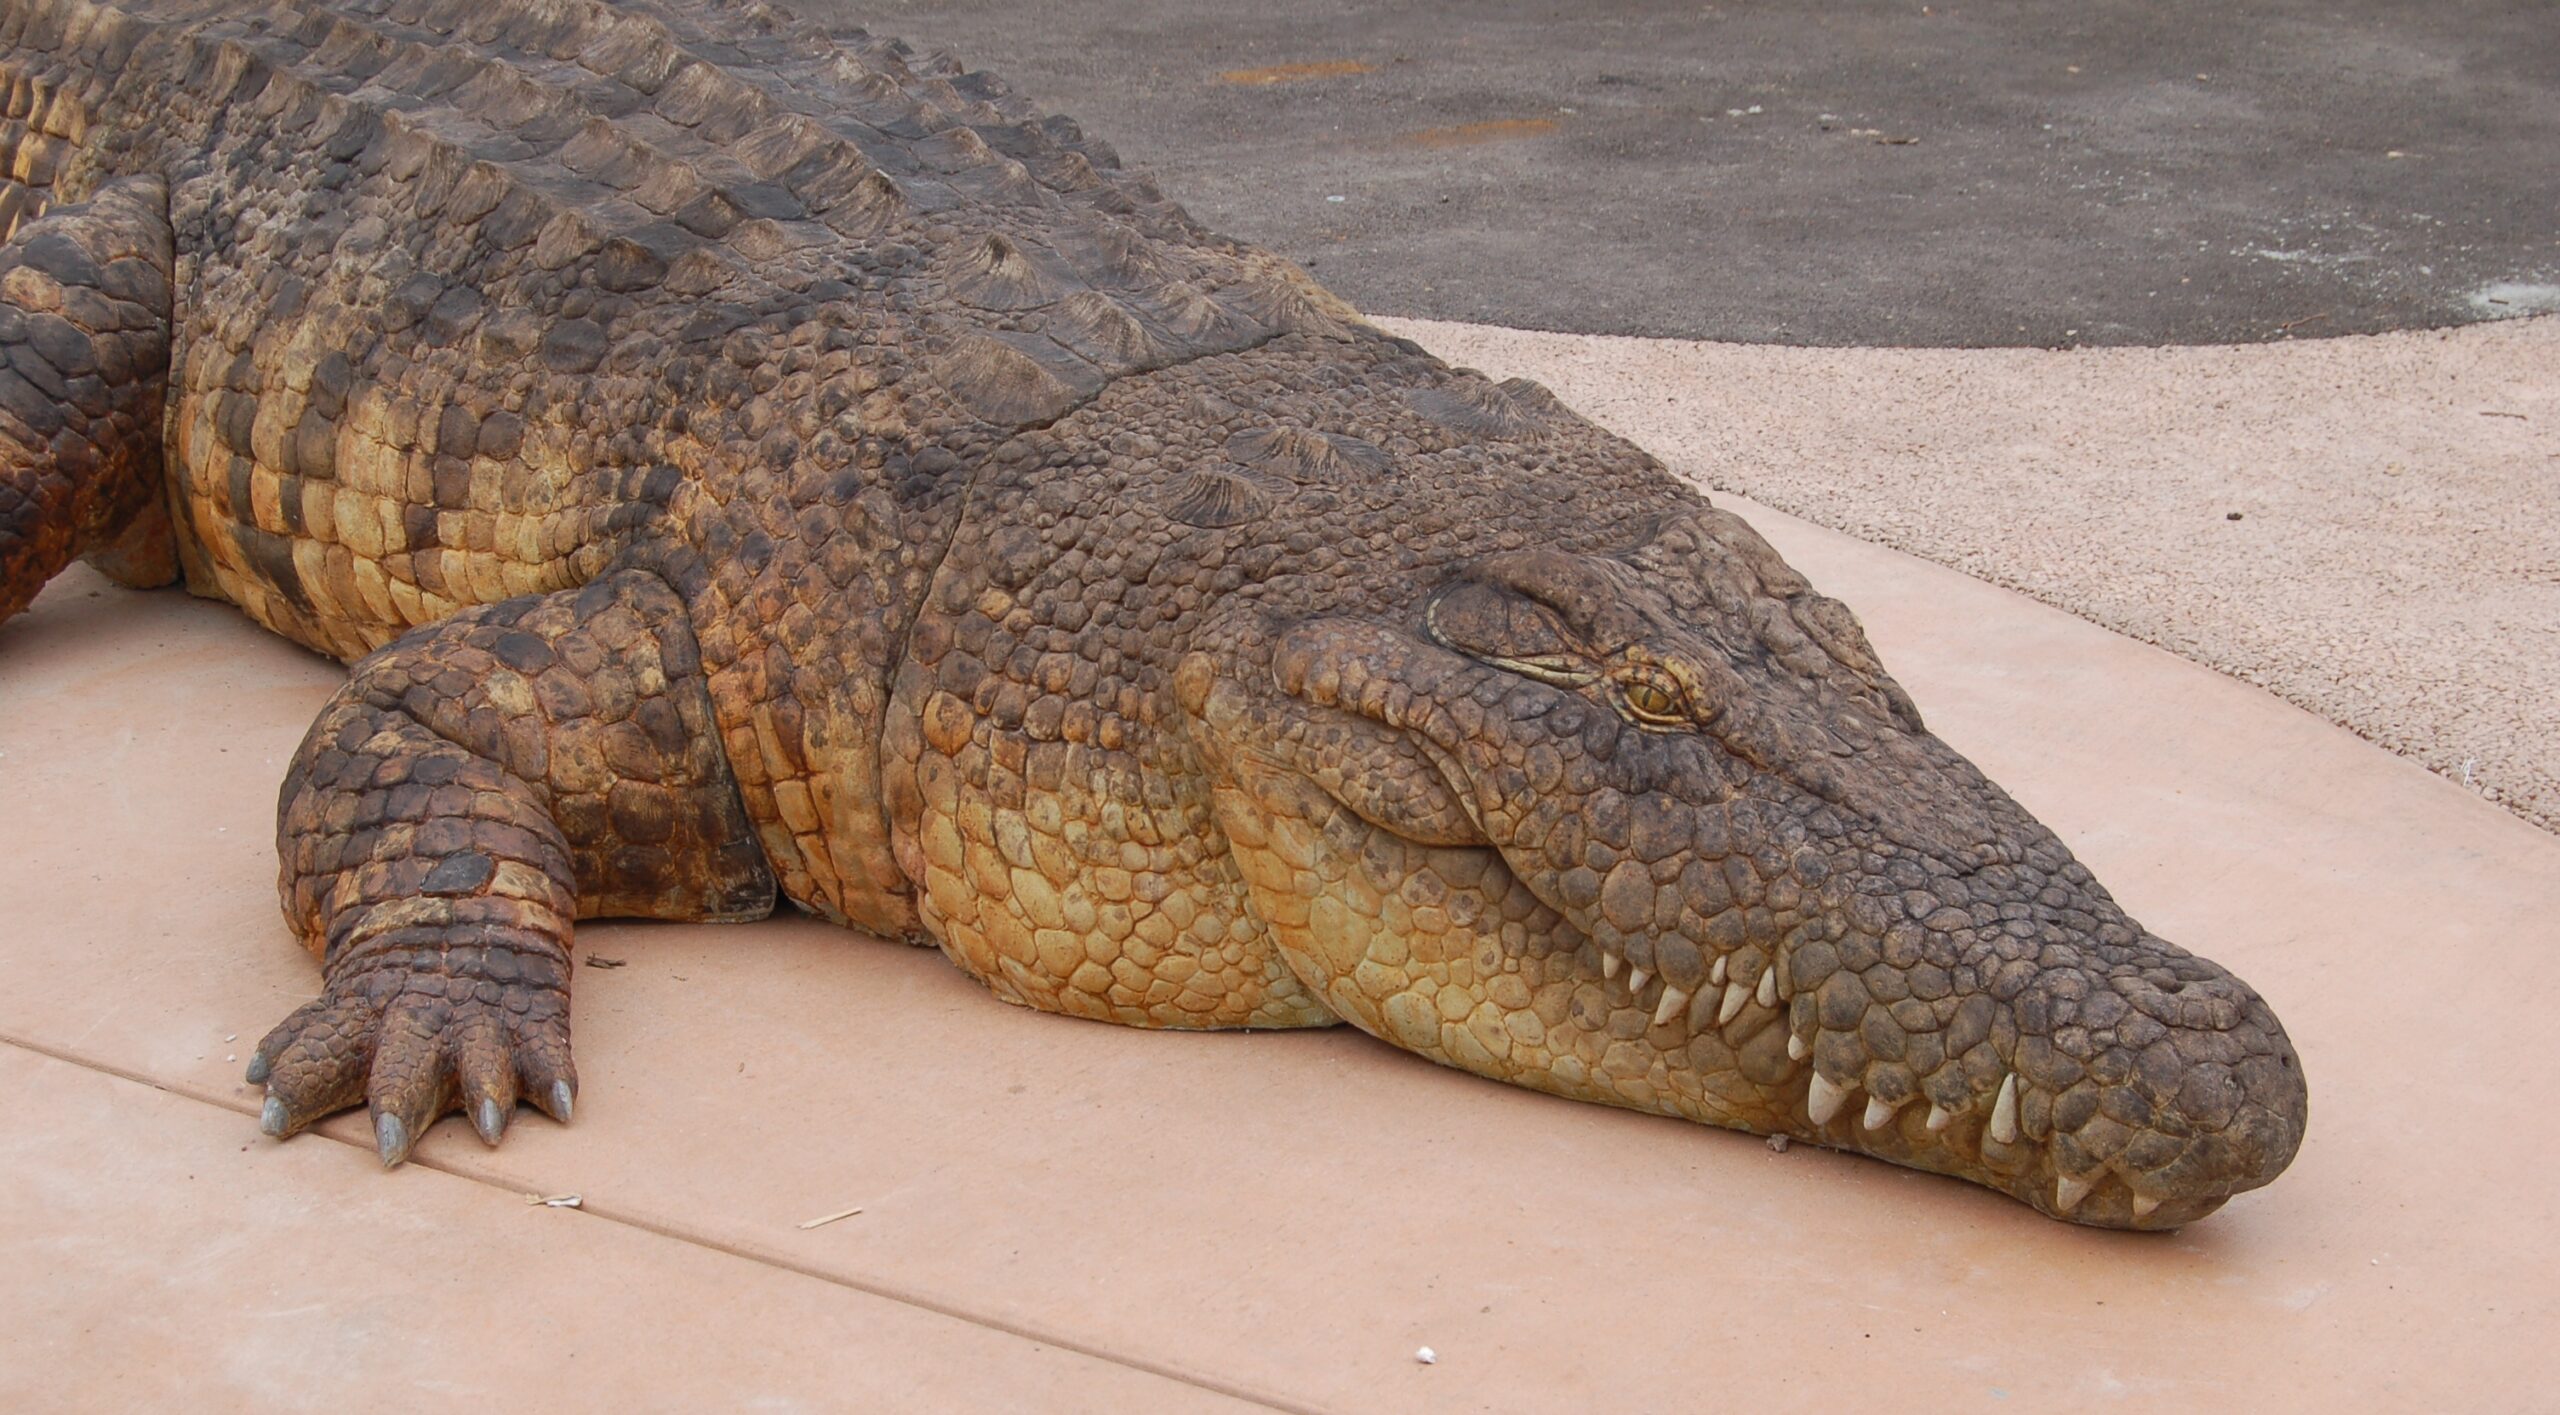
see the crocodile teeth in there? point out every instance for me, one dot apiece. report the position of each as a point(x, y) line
point(1822, 1100)
point(1673, 999)
point(2069, 1190)
point(1636, 979)
point(1939, 1116)
point(1735, 994)
point(1717, 977)
point(1768, 993)
point(2143, 1204)
point(1798, 1048)
point(1879, 1111)
point(1608, 965)
point(2004, 1111)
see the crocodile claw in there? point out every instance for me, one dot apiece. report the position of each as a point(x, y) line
point(411, 1053)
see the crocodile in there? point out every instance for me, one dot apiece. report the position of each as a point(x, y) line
point(747, 462)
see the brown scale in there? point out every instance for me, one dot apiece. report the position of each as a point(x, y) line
point(83, 295)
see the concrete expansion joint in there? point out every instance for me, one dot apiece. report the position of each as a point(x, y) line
point(699, 1237)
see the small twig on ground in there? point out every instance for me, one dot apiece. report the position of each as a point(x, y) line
point(2494, 413)
point(2306, 319)
point(599, 961)
point(824, 1219)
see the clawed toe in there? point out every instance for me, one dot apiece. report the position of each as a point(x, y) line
point(410, 1065)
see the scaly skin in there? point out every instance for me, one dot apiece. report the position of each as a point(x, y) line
point(742, 465)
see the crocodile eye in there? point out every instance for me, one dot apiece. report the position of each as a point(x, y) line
point(1652, 700)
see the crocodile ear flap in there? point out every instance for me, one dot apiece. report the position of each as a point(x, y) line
point(1710, 561)
point(1719, 553)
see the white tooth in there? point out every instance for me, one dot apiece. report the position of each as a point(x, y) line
point(1608, 964)
point(1672, 1001)
point(1939, 1116)
point(1878, 1112)
point(1768, 993)
point(2069, 1190)
point(1717, 977)
point(2004, 1111)
point(1798, 1048)
point(1636, 979)
point(1735, 994)
point(1822, 1100)
point(2143, 1204)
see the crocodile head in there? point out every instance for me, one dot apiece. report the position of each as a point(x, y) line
point(1655, 828)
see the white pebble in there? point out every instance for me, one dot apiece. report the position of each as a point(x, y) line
point(1427, 1356)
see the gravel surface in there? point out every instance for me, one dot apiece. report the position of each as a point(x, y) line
point(2368, 527)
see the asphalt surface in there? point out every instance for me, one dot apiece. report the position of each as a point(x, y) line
point(1842, 174)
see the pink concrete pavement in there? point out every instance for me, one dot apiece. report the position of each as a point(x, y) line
point(1141, 1220)
point(161, 1258)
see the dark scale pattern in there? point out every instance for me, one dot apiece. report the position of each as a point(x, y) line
point(782, 465)
point(84, 296)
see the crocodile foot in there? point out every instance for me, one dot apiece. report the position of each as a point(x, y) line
point(416, 1036)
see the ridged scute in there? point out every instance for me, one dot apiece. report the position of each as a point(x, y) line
point(1279, 296)
point(1102, 329)
point(1011, 383)
point(997, 273)
point(1216, 498)
point(1117, 257)
point(1307, 455)
point(870, 204)
point(1514, 410)
point(1194, 321)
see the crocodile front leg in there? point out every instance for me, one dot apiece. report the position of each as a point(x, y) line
point(475, 788)
point(84, 355)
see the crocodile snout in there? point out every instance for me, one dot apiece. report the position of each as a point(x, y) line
point(1711, 915)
